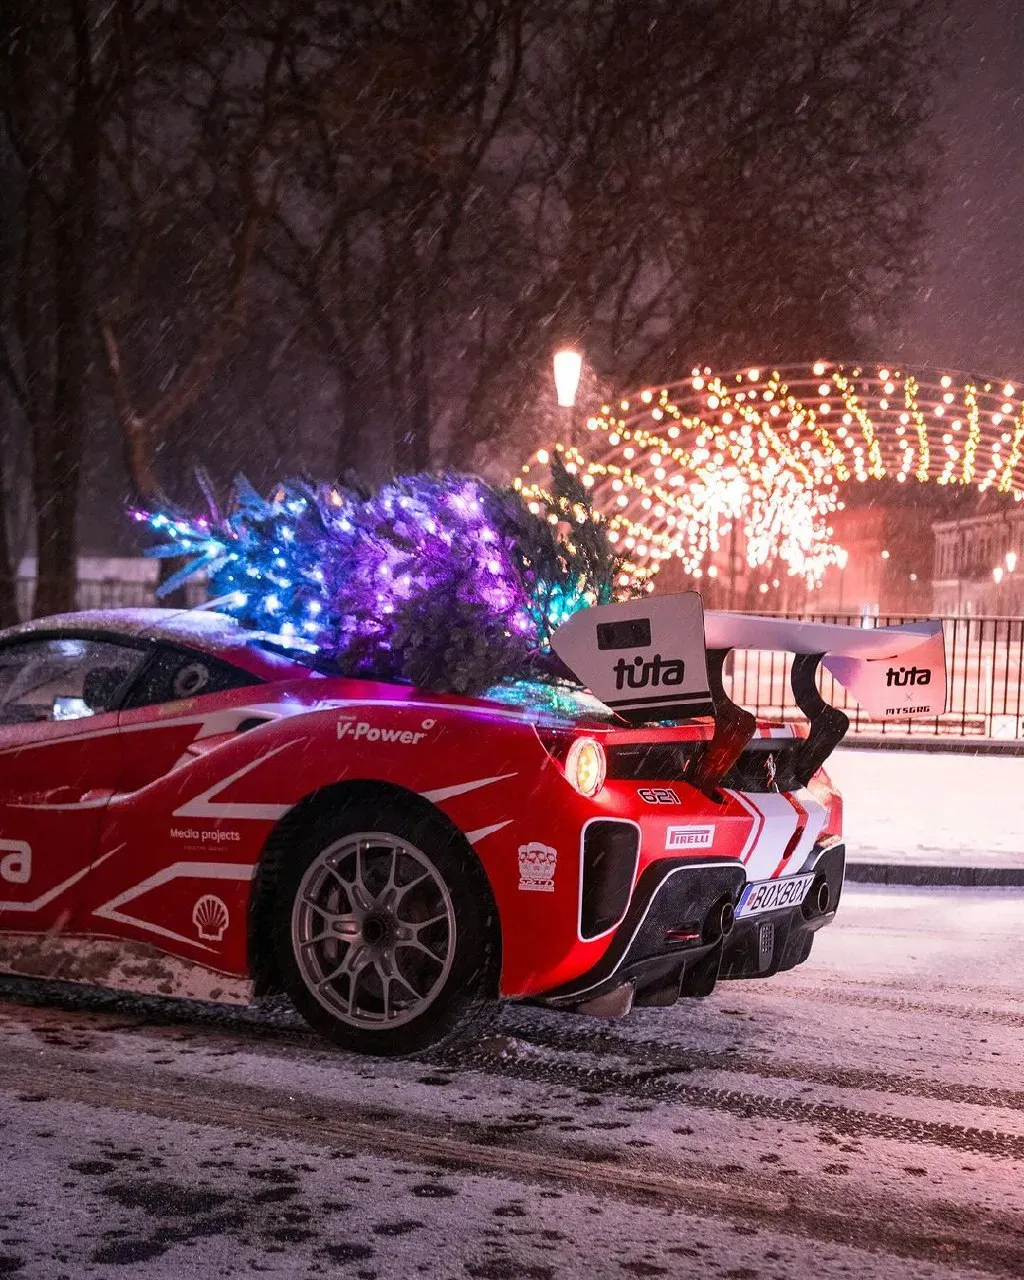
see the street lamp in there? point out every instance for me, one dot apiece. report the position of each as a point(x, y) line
point(1008, 566)
point(568, 365)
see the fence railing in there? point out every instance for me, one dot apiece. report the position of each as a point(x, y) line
point(984, 668)
point(984, 681)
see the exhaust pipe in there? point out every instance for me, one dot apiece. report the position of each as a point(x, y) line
point(818, 900)
point(719, 921)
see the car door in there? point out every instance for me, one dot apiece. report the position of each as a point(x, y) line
point(183, 702)
point(60, 761)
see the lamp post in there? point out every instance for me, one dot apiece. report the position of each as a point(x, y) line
point(568, 366)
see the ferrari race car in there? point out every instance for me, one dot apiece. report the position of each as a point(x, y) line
point(191, 808)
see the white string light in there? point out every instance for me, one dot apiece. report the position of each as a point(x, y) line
point(761, 456)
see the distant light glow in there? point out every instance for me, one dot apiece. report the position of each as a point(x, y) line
point(769, 451)
point(568, 365)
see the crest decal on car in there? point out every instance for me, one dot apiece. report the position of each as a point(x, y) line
point(537, 863)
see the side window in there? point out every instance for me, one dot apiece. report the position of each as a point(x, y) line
point(64, 679)
point(175, 674)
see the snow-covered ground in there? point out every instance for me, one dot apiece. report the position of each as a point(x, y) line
point(932, 806)
point(861, 1116)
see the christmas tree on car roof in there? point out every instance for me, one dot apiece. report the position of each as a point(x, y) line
point(443, 581)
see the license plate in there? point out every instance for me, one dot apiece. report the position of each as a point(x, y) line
point(773, 895)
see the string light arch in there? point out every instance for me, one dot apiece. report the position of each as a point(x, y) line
point(762, 457)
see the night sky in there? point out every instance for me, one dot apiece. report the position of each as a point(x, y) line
point(969, 313)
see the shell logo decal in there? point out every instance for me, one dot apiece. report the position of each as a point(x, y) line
point(210, 917)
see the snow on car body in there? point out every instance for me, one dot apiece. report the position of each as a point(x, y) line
point(184, 809)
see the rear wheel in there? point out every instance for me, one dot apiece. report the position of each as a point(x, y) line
point(385, 930)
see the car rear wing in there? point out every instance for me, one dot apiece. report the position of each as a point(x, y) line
point(663, 658)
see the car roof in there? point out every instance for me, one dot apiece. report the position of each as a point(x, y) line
point(210, 632)
point(164, 624)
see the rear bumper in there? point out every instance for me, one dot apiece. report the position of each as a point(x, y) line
point(778, 940)
point(670, 943)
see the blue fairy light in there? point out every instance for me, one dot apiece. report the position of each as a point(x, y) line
point(444, 580)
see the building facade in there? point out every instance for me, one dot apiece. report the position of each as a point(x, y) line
point(978, 565)
point(888, 557)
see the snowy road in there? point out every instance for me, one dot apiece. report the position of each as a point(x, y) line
point(861, 1116)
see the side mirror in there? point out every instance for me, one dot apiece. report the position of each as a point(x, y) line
point(70, 708)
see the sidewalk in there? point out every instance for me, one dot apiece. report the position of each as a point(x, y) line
point(966, 867)
point(932, 818)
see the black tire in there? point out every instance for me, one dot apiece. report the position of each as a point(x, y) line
point(328, 927)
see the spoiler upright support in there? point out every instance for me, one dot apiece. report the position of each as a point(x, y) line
point(734, 727)
point(828, 725)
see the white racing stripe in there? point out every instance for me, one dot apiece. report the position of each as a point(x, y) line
point(817, 816)
point(46, 898)
point(178, 870)
point(474, 836)
point(780, 824)
point(204, 805)
point(462, 788)
point(225, 719)
point(95, 802)
point(755, 827)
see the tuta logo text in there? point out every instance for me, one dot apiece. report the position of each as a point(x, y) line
point(908, 675)
point(658, 671)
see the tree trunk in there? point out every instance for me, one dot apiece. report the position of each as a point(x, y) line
point(177, 599)
point(58, 437)
point(419, 389)
point(346, 440)
point(8, 569)
point(58, 462)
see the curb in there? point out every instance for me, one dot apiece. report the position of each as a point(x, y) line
point(938, 745)
point(923, 875)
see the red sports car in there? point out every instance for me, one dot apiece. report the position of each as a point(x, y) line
point(188, 807)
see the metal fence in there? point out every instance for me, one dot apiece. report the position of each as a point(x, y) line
point(984, 681)
point(984, 668)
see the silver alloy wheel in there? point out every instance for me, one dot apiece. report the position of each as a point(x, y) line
point(373, 930)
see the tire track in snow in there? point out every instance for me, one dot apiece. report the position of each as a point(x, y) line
point(900, 1004)
point(646, 1057)
point(977, 1239)
point(656, 1056)
point(654, 1086)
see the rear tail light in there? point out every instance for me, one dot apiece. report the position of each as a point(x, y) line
point(586, 766)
